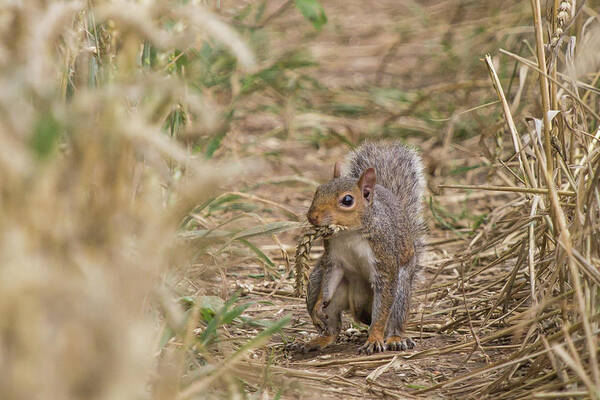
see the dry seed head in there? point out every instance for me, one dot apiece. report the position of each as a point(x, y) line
point(564, 6)
point(562, 19)
point(301, 265)
point(562, 16)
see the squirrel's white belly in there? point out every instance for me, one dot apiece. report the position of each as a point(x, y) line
point(353, 253)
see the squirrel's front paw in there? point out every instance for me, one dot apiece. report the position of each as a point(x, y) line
point(372, 345)
point(319, 317)
point(396, 343)
point(314, 344)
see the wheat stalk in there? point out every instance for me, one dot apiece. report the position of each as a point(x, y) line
point(301, 265)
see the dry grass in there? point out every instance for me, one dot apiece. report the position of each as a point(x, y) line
point(157, 154)
point(548, 244)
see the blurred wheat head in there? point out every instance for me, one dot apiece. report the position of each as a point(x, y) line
point(92, 189)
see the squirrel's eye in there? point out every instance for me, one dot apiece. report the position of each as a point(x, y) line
point(347, 201)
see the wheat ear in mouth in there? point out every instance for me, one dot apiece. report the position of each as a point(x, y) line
point(301, 265)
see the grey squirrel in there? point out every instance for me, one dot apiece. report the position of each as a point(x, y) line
point(369, 267)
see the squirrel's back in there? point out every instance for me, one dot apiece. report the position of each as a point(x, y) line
point(398, 168)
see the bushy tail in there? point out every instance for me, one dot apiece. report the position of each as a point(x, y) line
point(398, 168)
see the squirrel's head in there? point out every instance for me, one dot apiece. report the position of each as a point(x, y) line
point(343, 200)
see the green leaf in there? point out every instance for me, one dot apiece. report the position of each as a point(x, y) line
point(260, 11)
point(214, 144)
point(383, 95)
point(259, 253)
point(229, 316)
point(221, 200)
point(168, 331)
point(463, 169)
point(175, 121)
point(45, 136)
point(186, 301)
point(148, 55)
point(213, 234)
point(312, 11)
point(348, 109)
point(262, 337)
point(243, 13)
point(167, 334)
point(210, 332)
point(267, 229)
point(256, 322)
point(216, 140)
point(413, 386)
point(225, 315)
point(210, 303)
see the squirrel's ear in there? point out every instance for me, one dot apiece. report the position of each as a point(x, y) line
point(366, 183)
point(337, 169)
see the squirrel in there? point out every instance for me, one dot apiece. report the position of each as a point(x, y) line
point(369, 267)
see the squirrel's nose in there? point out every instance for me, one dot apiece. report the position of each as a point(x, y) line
point(313, 218)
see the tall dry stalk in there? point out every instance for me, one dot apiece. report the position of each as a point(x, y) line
point(548, 284)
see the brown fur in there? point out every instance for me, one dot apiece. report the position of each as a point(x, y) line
point(326, 209)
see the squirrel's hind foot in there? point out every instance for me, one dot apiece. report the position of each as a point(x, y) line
point(372, 345)
point(397, 343)
point(392, 343)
